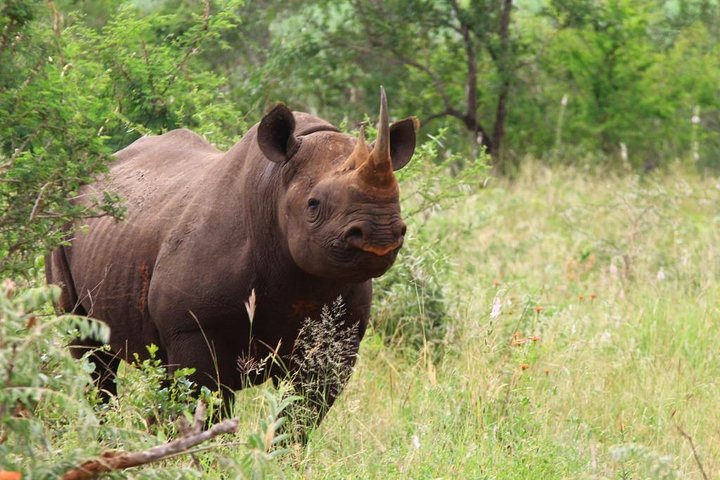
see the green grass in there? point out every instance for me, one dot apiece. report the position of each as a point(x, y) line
point(604, 349)
point(621, 356)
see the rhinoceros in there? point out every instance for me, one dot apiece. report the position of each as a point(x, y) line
point(296, 214)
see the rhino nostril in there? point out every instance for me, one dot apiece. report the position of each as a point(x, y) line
point(354, 235)
point(399, 230)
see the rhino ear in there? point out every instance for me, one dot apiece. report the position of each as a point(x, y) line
point(402, 141)
point(276, 134)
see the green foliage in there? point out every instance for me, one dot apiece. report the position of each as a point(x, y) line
point(71, 95)
point(606, 53)
point(156, 398)
point(155, 80)
point(410, 308)
point(42, 391)
point(49, 136)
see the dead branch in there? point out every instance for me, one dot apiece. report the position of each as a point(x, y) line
point(114, 460)
point(690, 440)
point(38, 202)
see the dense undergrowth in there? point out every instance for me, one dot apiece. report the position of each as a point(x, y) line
point(560, 325)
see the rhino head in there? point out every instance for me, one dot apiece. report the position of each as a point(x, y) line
point(339, 208)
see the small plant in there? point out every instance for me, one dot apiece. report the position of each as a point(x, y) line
point(265, 444)
point(322, 359)
point(155, 397)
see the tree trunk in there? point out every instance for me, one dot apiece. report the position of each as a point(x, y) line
point(504, 67)
point(479, 135)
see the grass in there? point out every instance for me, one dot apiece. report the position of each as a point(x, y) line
point(582, 344)
point(604, 350)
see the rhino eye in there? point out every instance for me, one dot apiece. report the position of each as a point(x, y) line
point(313, 209)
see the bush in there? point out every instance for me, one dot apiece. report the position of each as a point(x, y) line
point(410, 307)
point(42, 391)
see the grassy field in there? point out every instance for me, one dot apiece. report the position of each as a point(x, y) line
point(579, 340)
point(585, 320)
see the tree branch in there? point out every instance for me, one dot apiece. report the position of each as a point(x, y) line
point(110, 461)
point(434, 77)
point(377, 41)
point(435, 116)
point(38, 202)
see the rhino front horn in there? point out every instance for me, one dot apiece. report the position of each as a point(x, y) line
point(380, 155)
point(378, 169)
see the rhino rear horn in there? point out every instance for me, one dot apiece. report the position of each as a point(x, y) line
point(276, 134)
point(359, 154)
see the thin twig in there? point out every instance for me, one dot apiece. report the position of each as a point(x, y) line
point(38, 202)
point(57, 30)
point(195, 47)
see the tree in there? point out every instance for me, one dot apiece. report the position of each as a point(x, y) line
point(444, 58)
point(635, 71)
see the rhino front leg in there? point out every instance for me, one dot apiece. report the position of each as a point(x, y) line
point(207, 356)
point(322, 366)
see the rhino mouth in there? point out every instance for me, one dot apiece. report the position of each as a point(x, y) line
point(379, 246)
point(379, 251)
point(355, 261)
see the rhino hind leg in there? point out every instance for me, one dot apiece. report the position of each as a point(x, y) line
point(106, 365)
point(57, 271)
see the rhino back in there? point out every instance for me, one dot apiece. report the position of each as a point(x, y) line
point(159, 179)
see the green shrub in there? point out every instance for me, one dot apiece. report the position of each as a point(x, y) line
point(410, 306)
point(42, 391)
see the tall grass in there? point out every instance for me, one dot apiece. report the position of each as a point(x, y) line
point(600, 359)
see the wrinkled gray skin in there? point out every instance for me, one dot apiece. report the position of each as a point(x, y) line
point(296, 211)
